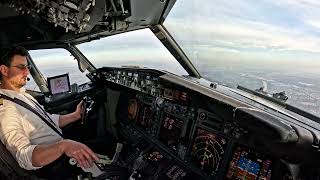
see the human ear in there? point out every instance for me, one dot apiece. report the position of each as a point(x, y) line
point(4, 70)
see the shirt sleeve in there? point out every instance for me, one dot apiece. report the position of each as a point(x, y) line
point(15, 138)
point(55, 118)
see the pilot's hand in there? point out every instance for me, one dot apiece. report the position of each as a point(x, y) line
point(82, 153)
point(78, 112)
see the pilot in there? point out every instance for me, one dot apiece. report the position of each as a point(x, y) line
point(32, 142)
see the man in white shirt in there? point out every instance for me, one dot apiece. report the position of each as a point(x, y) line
point(30, 140)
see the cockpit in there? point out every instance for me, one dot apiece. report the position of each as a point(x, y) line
point(160, 124)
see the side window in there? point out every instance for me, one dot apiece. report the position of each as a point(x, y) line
point(53, 62)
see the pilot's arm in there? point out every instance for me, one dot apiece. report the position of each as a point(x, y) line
point(15, 139)
point(31, 156)
point(63, 120)
point(72, 117)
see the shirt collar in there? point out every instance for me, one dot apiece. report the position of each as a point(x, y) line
point(23, 90)
point(12, 93)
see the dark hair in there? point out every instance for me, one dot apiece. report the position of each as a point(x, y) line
point(7, 55)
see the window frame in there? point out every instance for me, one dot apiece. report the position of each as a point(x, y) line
point(82, 62)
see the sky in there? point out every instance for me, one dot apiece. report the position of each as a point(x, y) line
point(282, 36)
point(283, 32)
point(245, 42)
point(138, 48)
point(269, 33)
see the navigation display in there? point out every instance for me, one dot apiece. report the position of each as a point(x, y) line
point(59, 84)
point(208, 151)
point(252, 167)
point(247, 165)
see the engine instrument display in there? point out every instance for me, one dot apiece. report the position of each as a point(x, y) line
point(247, 165)
point(207, 151)
point(133, 108)
point(173, 134)
point(144, 115)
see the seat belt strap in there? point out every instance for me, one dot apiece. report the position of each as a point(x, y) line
point(30, 108)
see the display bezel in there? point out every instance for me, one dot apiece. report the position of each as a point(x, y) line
point(50, 80)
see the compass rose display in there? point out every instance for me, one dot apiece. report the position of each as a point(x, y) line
point(207, 151)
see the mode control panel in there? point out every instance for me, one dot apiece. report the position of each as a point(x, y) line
point(143, 80)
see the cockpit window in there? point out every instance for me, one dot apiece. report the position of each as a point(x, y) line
point(137, 48)
point(270, 44)
point(53, 62)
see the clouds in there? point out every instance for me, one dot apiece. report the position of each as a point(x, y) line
point(243, 34)
point(52, 57)
point(307, 11)
point(285, 32)
point(139, 48)
point(273, 31)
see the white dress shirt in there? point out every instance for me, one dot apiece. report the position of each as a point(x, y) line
point(21, 130)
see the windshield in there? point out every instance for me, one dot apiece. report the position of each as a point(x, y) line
point(251, 43)
point(136, 48)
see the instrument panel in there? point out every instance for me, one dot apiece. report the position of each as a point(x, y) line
point(144, 114)
point(208, 151)
point(175, 137)
point(246, 164)
point(181, 130)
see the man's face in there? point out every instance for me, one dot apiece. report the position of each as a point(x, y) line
point(16, 74)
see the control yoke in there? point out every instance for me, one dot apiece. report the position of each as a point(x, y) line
point(86, 108)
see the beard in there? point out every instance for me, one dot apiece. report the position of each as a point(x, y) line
point(19, 83)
